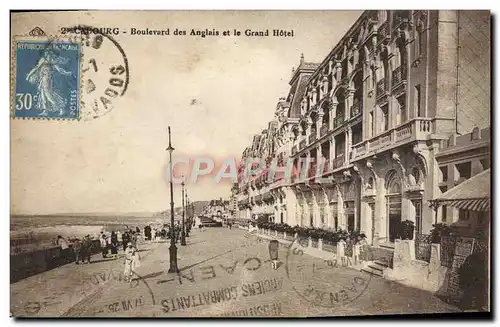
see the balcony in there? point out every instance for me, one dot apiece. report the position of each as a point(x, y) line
point(339, 161)
point(356, 108)
point(383, 30)
point(302, 144)
point(381, 88)
point(417, 129)
point(323, 130)
point(338, 121)
point(397, 77)
point(312, 136)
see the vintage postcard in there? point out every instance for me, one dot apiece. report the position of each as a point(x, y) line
point(250, 163)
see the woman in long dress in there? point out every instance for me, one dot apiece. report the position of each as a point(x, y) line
point(48, 99)
point(132, 262)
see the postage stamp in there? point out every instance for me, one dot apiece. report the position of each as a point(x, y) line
point(47, 79)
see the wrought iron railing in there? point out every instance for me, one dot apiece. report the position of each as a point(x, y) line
point(323, 130)
point(381, 88)
point(339, 120)
point(423, 247)
point(397, 77)
point(356, 108)
point(312, 136)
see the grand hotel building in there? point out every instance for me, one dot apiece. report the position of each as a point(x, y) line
point(378, 110)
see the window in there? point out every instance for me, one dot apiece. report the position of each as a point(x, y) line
point(464, 170)
point(443, 214)
point(371, 124)
point(385, 116)
point(403, 117)
point(357, 134)
point(416, 175)
point(444, 173)
point(463, 215)
point(417, 104)
point(417, 204)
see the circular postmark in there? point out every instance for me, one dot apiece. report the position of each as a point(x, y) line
point(99, 293)
point(326, 283)
point(104, 68)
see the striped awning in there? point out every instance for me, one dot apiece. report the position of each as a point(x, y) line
point(472, 194)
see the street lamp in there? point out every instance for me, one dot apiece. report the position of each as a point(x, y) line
point(188, 217)
point(173, 249)
point(183, 233)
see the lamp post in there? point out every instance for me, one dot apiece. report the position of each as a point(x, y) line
point(173, 249)
point(188, 217)
point(183, 233)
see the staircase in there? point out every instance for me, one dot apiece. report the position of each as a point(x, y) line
point(375, 268)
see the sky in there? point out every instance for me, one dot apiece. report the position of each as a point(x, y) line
point(215, 93)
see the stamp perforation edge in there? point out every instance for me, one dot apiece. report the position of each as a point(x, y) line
point(13, 68)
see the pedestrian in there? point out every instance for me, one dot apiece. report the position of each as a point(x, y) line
point(104, 245)
point(77, 247)
point(65, 250)
point(273, 253)
point(86, 249)
point(473, 277)
point(126, 239)
point(133, 239)
point(114, 244)
point(131, 261)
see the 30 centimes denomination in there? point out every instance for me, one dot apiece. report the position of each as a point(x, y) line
point(104, 67)
point(326, 283)
point(45, 78)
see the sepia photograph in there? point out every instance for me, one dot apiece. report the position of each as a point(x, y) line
point(250, 163)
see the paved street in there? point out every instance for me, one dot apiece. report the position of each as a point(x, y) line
point(222, 273)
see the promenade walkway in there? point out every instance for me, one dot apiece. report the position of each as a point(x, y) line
point(222, 273)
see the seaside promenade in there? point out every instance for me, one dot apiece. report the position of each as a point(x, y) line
point(223, 273)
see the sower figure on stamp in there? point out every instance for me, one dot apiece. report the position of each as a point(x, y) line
point(273, 253)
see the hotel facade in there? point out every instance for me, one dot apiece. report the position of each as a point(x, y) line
point(375, 113)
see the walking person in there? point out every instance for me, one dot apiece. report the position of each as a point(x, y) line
point(104, 245)
point(77, 248)
point(86, 249)
point(273, 253)
point(126, 239)
point(114, 245)
point(131, 261)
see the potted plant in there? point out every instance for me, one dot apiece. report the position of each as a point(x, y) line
point(438, 231)
point(407, 228)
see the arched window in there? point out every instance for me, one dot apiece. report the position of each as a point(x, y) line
point(393, 183)
point(369, 184)
point(415, 175)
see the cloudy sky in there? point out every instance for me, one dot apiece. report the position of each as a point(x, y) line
point(214, 92)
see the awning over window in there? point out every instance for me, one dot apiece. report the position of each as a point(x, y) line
point(472, 194)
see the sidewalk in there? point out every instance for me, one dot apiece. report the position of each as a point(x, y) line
point(54, 292)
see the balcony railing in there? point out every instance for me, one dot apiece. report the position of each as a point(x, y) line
point(302, 144)
point(356, 108)
point(312, 136)
point(381, 88)
point(339, 120)
point(339, 161)
point(383, 30)
point(415, 129)
point(397, 77)
point(323, 130)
